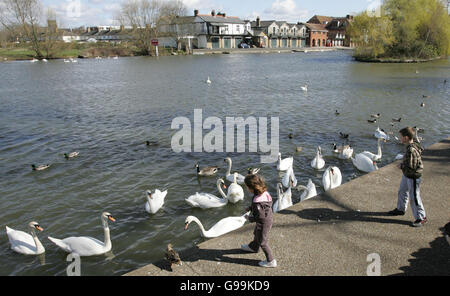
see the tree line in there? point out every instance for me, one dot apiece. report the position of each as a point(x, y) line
point(26, 20)
point(418, 29)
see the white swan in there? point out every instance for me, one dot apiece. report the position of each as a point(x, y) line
point(284, 164)
point(220, 228)
point(379, 134)
point(332, 178)
point(34, 60)
point(374, 157)
point(310, 190)
point(284, 200)
point(344, 151)
point(45, 60)
point(206, 200)
point(155, 201)
point(289, 179)
point(364, 163)
point(208, 81)
point(87, 246)
point(66, 61)
point(305, 88)
point(235, 191)
point(230, 177)
point(23, 243)
point(318, 162)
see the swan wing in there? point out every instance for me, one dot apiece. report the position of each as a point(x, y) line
point(61, 244)
point(369, 155)
point(227, 225)
point(21, 242)
point(205, 201)
point(83, 246)
point(363, 163)
point(285, 164)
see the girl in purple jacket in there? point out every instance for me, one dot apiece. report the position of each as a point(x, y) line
point(261, 213)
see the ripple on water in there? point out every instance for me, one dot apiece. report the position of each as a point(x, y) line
point(107, 118)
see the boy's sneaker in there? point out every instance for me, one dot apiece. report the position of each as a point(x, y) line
point(396, 212)
point(270, 264)
point(247, 249)
point(419, 222)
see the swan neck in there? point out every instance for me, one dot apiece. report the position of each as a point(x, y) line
point(107, 235)
point(39, 246)
point(220, 189)
point(379, 149)
point(229, 166)
point(202, 229)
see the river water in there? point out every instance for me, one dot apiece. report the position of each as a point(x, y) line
point(106, 110)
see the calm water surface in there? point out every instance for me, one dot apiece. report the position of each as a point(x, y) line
point(107, 109)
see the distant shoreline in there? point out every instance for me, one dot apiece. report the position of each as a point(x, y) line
point(396, 60)
point(182, 53)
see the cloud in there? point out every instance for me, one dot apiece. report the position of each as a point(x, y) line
point(285, 10)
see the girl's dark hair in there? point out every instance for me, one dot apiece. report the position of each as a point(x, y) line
point(408, 132)
point(256, 183)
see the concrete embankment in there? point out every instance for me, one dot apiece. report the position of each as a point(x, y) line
point(334, 233)
point(266, 50)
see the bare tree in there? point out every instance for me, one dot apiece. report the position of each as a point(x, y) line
point(142, 15)
point(146, 18)
point(51, 35)
point(26, 15)
point(174, 22)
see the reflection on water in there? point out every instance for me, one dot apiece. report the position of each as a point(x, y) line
point(108, 109)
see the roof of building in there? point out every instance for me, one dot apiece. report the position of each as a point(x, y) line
point(321, 18)
point(221, 19)
point(263, 23)
point(316, 27)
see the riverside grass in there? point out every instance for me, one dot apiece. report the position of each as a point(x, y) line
point(74, 50)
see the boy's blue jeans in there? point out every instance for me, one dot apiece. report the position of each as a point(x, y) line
point(410, 189)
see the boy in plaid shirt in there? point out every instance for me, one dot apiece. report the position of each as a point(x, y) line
point(412, 168)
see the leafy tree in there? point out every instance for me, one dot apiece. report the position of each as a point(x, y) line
point(405, 29)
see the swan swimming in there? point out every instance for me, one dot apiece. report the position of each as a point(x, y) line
point(220, 228)
point(229, 176)
point(284, 164)
point(24, 243)
point(364, 163)
point(87, 246)
point(284, 200)
point(374, 157)
point(309, 190)
point(332, 178)
point(155, 201)
point(235, 191)
point(289, 179)
point(206, 200)
point(379, 134)
point(318, 162)
point(344, 151)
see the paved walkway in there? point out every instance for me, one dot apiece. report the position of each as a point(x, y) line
point(333, 234)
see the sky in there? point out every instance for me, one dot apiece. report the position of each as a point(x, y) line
point(76, 13)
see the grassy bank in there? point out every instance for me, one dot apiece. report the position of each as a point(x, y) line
point(16, 52)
